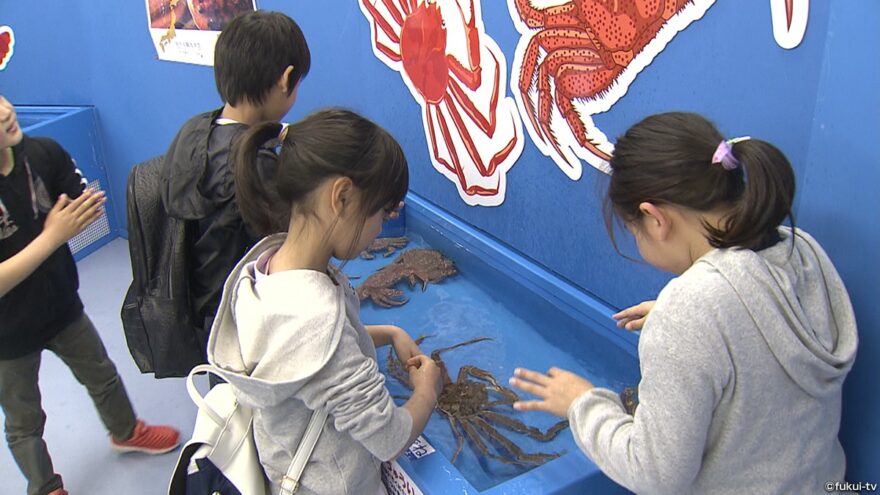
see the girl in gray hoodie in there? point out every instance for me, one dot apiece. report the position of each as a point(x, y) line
point(744, 354)
point(287, 335)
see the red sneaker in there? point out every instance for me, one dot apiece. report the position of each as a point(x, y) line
point(149, 440)
point(59, 491)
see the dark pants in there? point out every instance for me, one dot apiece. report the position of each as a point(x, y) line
point(81, 349)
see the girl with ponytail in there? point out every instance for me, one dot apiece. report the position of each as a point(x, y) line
point(287, 336)
point(743, 355)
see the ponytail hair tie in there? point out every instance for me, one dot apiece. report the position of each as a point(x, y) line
point(724, 153)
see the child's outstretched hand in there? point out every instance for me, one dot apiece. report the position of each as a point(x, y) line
point(557, 389)
point(69, 217)
point(633, 317)
point(424, 374)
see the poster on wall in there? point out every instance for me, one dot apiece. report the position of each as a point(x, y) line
point(576, 59)
point(7, 45)
point(186, 30)
point(458, 75)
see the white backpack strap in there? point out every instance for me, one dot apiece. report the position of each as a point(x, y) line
point(196, 396)
point(290, 481)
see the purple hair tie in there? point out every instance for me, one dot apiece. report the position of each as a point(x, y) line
point(724, 153)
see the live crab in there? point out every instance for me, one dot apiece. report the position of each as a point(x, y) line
point(423, 265)
point(467, 406)
point(389, 245)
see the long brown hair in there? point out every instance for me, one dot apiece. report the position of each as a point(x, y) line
point(329, 143)
point(667, 158)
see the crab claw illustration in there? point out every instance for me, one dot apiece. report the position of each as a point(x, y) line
point(789, 21)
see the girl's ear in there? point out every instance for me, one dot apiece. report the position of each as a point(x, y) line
point(342, 196)
point(656, 220)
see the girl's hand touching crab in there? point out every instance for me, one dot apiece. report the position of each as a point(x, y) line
point(557, 390)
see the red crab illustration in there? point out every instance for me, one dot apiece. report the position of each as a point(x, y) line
point(7, 42)
point(577, 53)
point(588, 44)
point(417, 37)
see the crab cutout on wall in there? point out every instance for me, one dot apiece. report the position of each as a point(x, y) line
point(458, 75)
point(575, 59)
point(7, 45)
point(789, 21)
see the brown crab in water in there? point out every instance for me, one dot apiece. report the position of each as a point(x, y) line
point(468, 408)
point(387, 244)
point(426, 265)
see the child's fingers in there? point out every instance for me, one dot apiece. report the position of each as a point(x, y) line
point(418, 361)
point(640, 309)
point(530, 405)
point(636, 324)
point(532, 376)
point(80, 200)
point(92, 215)
point(628, 313)
point(633, 318)
point(528, 387)
point(396, 212)
point(554, 372)
point(61, 203)
point(632, 324)
point(88, 201)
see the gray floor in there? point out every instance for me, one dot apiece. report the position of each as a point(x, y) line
point(77, 441)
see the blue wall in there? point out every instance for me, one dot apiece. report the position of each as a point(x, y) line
point(725, 65)
point(839, 205)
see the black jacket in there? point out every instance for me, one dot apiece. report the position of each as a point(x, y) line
point(47, 301)
point(197, 185)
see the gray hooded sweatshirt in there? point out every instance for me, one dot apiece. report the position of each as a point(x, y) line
point(742, 358)
point(291, 343)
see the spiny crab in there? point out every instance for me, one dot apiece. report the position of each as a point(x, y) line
point(389, 245)
point(423, 265)
point(467, 405)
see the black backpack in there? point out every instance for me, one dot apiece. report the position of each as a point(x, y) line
point(160, 327)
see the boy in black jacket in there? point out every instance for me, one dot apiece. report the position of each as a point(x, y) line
point(259, 60)
point(41, 309)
